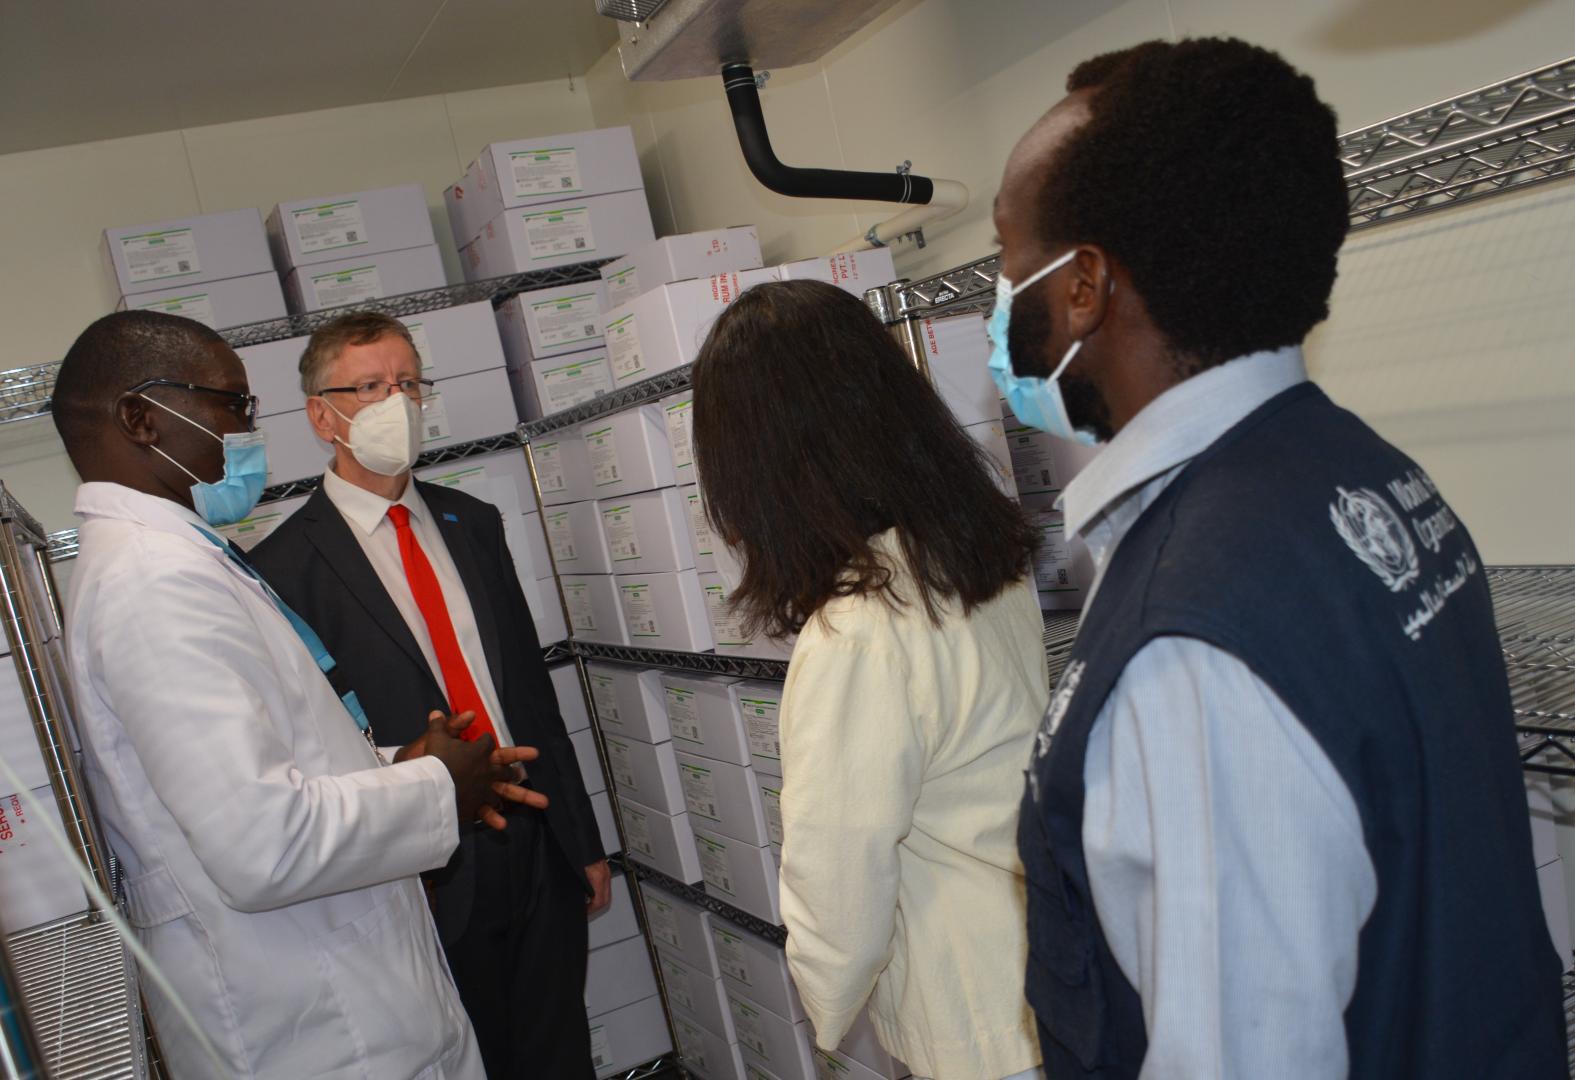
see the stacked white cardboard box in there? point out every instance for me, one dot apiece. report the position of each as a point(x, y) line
point(353, 247)
point(532, 204)
point(213, 268)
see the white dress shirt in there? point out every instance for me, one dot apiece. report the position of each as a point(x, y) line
point(367, 515)
point(1224, 851)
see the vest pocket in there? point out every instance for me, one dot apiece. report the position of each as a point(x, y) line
point(1065, 987)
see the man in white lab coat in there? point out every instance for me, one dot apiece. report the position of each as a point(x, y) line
point(269, 857)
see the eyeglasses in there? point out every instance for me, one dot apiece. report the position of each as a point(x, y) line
point(243, 405)
point(378, 389)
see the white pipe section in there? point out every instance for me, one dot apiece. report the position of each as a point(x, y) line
point(949, 198)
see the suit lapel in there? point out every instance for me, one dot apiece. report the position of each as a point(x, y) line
point(467, 561)
point(330, 534)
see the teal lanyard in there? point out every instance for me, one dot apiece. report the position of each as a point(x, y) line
point(314, 644)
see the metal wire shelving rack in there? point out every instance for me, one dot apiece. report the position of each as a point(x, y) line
point(1535, 609)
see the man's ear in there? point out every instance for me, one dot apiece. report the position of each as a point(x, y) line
point(134, 417)
point(322, 418)
point(1089, 286)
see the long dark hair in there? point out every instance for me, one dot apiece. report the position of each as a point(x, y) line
point(813, 433)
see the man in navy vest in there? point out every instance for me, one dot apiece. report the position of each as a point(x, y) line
point(1275, 825)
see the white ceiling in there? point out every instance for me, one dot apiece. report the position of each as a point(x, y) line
point(78, 70)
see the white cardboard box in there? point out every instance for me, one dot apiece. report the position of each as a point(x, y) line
point(551, 322)
point(629, 1036)
point(1063, 569)
point(705, 1053)
point(606, 826)
point(594, 615)
point(186, 251)
point(306, 232)
point(702, 717)
point(700, 537)
point(663, 329)
point(216, 304)
point(724, 798)
point(18, 741)
point(617, 921)
point(629, 701)
point(558, 234)
point(467, 407)
point(501, 478)
point(524, 172)
point(645, 772)
point(680, 929)
point(756, 968)
point(727, 627)
point(853, 271)
point(992, 439)
point(574, 535)
point(679, 258)
point(957, 353)
point(617, 975)
point(38, 885)
point(743, 874)
point(541, 596)
point(560, 382)
point(779, 1044)
point(699, 995)
point(273, 371)
point(664, 841)
point(665, 611)
point(294, 450)
point(571, 701)
point(758, 704)
point(678, 414)
point(361, 278)
point(1555, 904)
point(860, 1049)
point(647, 533)
point(770, 788)
point(1043, 464)
point(627, 452)
point(563, 468)
point(584, 742)
point(456, 340)
point(250, 531)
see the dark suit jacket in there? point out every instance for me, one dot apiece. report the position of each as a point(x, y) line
point(316, 564)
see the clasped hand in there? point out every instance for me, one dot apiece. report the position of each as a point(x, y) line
point(484, 773)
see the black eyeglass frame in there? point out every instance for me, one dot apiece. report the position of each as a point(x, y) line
point(249, 400)
point(403, 385)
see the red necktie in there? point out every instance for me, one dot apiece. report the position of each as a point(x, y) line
point(462, 692)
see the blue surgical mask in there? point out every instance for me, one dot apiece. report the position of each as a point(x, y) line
point(235, 494)
point(1035, 401)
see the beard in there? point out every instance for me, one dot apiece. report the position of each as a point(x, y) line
point(1026, 335)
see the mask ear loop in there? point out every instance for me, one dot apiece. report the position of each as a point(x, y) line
point(1049, 268)
point(194, 478)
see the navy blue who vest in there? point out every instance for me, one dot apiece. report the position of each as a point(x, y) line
point(1323, 558)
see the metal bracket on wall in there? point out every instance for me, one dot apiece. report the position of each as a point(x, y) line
point(1506, 136)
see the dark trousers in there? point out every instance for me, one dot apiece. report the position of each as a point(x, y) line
point(520, 964)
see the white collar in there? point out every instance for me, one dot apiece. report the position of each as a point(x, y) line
point(364, 509)
point(102, 499)
point(1177, 426)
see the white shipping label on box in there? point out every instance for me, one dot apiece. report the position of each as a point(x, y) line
point(567, 385)
point(623, 542)
point(250, 531)
point(637, 827)
point(771, 799)
point(699, 784)
point(560, 536)
point(726, 624)
point(1033, 467)
point(567, 319)
point(434, 418)
point(549, 467)
point(552, 171)
point(154, 256)
point(699, 524)
point(663, 920)
point(762, 726)
point(714, 865)
point(1053, 563)
point(604, 693)
point(577, 595)
point(602, 446)
point(623, 349)
point(347, 286)
point(749, 1023)
point(639, 610)
point(620, 763)
point(423, 346)
point(551, 234)
point(602, 1056)
point(683, 712)
point(195, 306)
point(622, 286)
point(331, 226)
point(676, 978)
point(679, 415)
point(730, 954)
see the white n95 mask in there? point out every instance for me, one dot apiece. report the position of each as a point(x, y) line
point(386, 437)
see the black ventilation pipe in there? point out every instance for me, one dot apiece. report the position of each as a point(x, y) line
point(743, 97)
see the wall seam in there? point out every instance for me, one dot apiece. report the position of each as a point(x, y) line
point(191, 170)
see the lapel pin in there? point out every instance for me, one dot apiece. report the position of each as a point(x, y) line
point(451, 517)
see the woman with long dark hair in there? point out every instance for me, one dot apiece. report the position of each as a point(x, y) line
point(866, 521)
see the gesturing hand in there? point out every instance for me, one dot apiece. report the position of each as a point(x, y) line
point(483, 773)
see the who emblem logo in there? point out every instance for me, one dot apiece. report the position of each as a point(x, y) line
point(1372, 530)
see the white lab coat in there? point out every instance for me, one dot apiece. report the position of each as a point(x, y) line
point(269, 859)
